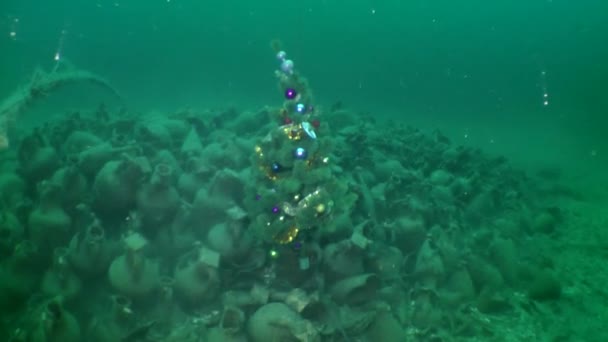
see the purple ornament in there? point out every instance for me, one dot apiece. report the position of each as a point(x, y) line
point(290, 93)
point(275, 210)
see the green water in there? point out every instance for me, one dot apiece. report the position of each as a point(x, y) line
point(523, 79)
point(471, 68)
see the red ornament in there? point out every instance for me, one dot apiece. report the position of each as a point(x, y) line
point(287, 120)
point(315, 123)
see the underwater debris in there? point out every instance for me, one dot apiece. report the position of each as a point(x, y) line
point(40, 86)
point(140, 333)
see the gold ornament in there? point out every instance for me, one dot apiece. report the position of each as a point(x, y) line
point(293, 131)
point(308, 199)
point(268, 172)
point(287, 236)
point(320, 208)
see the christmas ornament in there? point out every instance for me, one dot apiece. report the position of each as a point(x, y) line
point(281, 55)
point(320, 208)
point(301, 108)
point(290, 93)
point(287, 236)
point(287, 66)
point(300, 153)
point(308, 129)
point(258, 151)
point(276, 167)
point(273, 253)
point(289, 209)
point(316, 203)
point(293, 131)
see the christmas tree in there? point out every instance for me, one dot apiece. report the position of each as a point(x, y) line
point(296, 195)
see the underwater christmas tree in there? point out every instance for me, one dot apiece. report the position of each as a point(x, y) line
point(296, 193)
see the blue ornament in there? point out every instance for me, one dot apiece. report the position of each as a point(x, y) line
point(301, 108)
point(300, 153)
point(276, 167)
point(290, 93)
